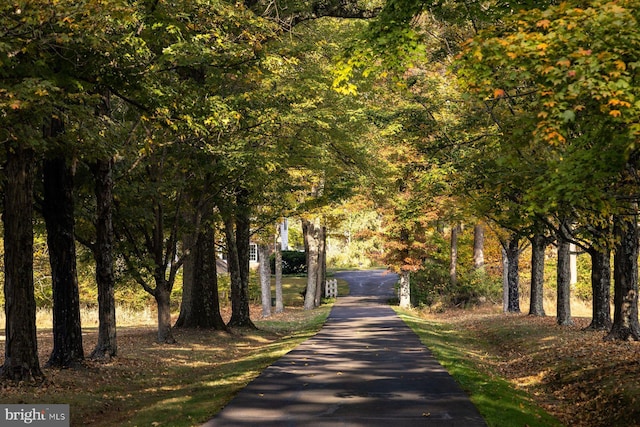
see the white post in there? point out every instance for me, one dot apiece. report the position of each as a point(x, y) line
point(573, 263)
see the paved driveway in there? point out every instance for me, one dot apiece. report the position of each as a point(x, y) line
point(364, 368)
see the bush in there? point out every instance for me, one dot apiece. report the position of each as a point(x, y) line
point(432, 286)
point(293, 262)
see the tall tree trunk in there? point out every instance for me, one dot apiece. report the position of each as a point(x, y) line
point(278, 273)
point(58, 212)
point(21, 361)
point(240, 315)
point(201, 307)
point(186, 317)
point(311, 232)
point(405, 289)
point(162, 296)
point(600, 286)
point(625, 278)
point(563, 311)
point(186, 303)
point(205, 296)
point(106, 347)
point(505, 281)
point(265, 279)
point(536, 303)
point(453, 256)
point(478, 246)
point(321, 277)
point(513, 274)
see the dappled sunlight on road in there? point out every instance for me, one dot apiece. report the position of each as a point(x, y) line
point(365, 367)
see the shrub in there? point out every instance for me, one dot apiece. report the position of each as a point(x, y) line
point(293, 262)
point(432, 286)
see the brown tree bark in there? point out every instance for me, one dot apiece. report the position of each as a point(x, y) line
point(600, 286)
point(563, 300)
point(106, 347)
point(186, 304)
point(512, 251)
point(21, 361)
point(240, 313)
point(162, 296)
point(625, 276)
point(201, 306)
point(536, 304)
point(58, 212)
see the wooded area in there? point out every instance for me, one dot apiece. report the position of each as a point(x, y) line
point(159, 135)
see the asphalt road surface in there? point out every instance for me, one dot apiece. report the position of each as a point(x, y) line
point(364, 368)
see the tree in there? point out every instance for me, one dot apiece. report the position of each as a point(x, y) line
point(625, 316)
point(511, 253)
point(200, 306)
point(21, 362)
point(539, 243)
point(106, 346)
point(278, 270)
point(51, 55)
point(563, 279)
point(265, 279)
point(478, 246)
point(313, 232)
point(578, 60)
point(58, 212)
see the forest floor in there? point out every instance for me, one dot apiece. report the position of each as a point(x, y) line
point(569, 371)
point(573, 374)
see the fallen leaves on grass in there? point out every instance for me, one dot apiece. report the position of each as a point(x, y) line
point(571, 372)
point(148, 375)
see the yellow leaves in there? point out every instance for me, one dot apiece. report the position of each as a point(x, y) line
point(512, 55)
point(620, 65)
point(542, 46)
point(543, 23)
point(584, 52)
point(564, 62)
point(617, 102)
point(615, 113)
point(553, 136)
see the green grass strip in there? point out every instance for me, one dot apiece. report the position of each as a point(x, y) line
point(499, 402)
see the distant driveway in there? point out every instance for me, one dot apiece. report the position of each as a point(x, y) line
point(364, 368)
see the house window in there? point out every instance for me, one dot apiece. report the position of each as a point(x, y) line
point(253, 252)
